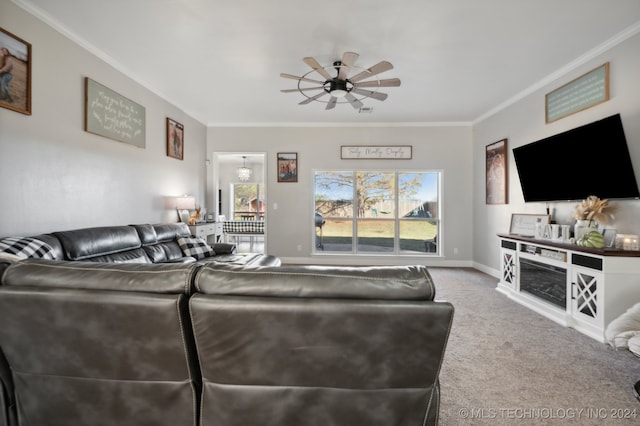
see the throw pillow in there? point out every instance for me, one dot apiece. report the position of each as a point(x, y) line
point(25, 247)
point(195, 247)
point(623, 328)
point(634, 345)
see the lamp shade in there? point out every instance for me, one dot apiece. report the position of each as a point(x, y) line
point(186, 202)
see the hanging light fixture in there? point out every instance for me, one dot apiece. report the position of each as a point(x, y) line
point(244, 172)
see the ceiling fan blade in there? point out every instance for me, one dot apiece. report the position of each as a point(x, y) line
point(374, 70)
point(313, 98)
point(390, 82)
point(302, 89)
point(295, 77)
point(332, 103)
point(370, 94)
point(348, 59)
point(317, 67)
point(355, 103)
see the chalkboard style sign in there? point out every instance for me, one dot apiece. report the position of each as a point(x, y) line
point(113, 116)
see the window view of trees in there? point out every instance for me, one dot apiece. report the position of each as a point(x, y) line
point(377, 212)
point(248, 201)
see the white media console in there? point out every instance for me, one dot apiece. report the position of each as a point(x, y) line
point(574, 286)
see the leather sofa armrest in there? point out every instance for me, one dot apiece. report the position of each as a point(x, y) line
point(3, 265)
point(224, 248)
point(7, 394)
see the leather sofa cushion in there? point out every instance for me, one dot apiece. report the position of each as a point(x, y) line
point(170, 278)
point(172, 250)
point(170, 231)
point(378, 282)
point(147, 234)
point(156, 253)
point(130, 256)
point(81, 244)
point(99, 344)
point(286, 343)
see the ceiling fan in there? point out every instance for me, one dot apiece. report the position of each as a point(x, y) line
point(341, 86)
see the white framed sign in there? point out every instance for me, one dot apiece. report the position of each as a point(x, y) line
point(375, 152)
point(525, 224)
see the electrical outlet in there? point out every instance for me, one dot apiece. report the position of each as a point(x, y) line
point(455, 250)
point(299, 247)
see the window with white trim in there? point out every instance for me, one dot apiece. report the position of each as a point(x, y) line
point(377, 212)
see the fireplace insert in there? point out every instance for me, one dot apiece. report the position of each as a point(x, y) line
point(547, 282)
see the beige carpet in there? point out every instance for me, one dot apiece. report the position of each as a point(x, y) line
point(508, 365)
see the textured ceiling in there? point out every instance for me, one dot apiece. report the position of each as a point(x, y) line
point(458, 60)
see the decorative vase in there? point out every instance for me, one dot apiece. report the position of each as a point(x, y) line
point(582, 227)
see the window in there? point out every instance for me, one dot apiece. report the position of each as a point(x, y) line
point(248, 201)
point(377, 212)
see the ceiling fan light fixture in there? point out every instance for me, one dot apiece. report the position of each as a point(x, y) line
point(338, 88)
point(341, 85)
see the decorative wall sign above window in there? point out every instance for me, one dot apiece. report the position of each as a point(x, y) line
point(375, 152)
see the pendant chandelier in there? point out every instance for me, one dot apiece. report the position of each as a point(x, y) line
point(244, 172)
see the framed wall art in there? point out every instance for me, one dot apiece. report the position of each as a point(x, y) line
point(15, 73)
point(175, 139)
point(588, 90)
point(109, 114)
point(496, 172)
point(287, 167)
point(376, 152)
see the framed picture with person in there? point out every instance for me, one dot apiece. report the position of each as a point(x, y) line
point(15, 73)
point(287, 167)
point(175, 139)
point(496, 172)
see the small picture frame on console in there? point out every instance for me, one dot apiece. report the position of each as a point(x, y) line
point(609, 237)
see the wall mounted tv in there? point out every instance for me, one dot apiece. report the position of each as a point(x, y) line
point(589, 160)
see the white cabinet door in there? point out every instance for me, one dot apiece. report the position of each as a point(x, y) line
point(508, 264)
point(586, 295)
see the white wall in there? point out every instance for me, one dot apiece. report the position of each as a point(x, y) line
point(55, 176)
point(443, 148)
point(524, 122)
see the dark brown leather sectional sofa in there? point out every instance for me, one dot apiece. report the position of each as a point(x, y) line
point(91, 343)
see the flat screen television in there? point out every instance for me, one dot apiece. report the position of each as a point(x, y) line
point(589, 160)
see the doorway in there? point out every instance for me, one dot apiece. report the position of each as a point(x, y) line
point(241, 199)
